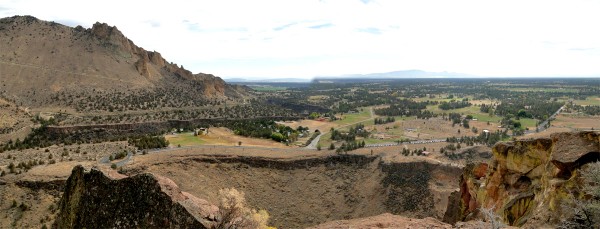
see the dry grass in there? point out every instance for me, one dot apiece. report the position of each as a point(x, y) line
point(577, 122)
point(220, 136)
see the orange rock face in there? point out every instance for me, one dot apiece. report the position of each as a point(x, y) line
point(527, 180)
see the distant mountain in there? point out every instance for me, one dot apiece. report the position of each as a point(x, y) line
point(41, 60)
point(399, 75)
point(280, 80)
point(385, 75)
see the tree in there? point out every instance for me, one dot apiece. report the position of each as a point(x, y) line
point(332, 146)
point(234, 212)
point(465, 123)
point(277, 137)
point(585, 211)
point(517, 125)
point(492, 218)
point(319, 147)
point(240, 143)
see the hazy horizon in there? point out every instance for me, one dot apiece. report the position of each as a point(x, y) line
point(306, 39)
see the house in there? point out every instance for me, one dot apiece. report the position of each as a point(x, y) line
point(201, 131)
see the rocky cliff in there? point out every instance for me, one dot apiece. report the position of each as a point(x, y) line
point(528, 182)
point(49, 57)
point(98, 199)
point(151, 64)
point(302, 191)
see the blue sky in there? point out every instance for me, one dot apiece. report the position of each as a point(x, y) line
point(307, 38)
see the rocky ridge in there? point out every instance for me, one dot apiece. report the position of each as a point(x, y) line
point(106, 199)
point(528, 181)
point(48, 57)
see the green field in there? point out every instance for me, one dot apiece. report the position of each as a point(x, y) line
point(592, 100)
point(325, 140)
point(528, 122)
point(186, 139)
point(356, 117)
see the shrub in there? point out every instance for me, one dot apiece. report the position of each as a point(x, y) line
point(234, 212)
point(586, 211)
point(23, 207)
point(492, 218)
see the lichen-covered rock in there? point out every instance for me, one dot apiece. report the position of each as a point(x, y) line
point(527, 180)
point(99, 199)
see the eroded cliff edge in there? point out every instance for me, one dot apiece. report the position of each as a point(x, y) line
point(106, 199)
point(297, 192)
point(528, 182)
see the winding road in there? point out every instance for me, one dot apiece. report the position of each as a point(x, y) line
point(313, 144)
point(542, 126)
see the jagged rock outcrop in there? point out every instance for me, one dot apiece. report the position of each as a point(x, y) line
point(528, 180)
point(98, 199)
point(49, 57)
point(212, 86)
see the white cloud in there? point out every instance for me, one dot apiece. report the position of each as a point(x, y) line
point(278, 38)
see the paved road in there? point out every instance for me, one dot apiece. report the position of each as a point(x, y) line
point(105, 160)
point(542, 126)
point(313, 144)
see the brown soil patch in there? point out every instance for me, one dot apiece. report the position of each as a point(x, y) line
point(313, 125)
point(437, 128)
point(384, 221)
point(224, 136)
point(577, 121)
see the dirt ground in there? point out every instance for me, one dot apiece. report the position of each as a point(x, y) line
point(15, 122)
point(311, 124)
point(577, 121)
point(295, 197)
point(384, 221)
point(566, 123)
point(75, 153)
point(433, 128)
point(226, 137)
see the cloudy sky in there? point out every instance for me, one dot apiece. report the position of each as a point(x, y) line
point(307, 38)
